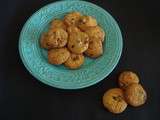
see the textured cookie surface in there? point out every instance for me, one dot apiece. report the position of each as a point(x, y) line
point(72, 18)
point(86, 21)
point(57, 23)
point(135, 95)
point(58, 56)
point(114, 101)
point(74, 61)
point(95, 48)
point(96, 32)
point(78, 42)
point(126, 78)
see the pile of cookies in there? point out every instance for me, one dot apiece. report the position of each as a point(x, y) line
point(130, 92)
point(67, 40)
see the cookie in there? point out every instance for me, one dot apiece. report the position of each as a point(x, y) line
point(56, 23)
point(57, 38)
point(96, 32)
point(58, 56)
point(126, 78)
point(44, 41)
point(114, 101)
point(86, 21)
point(95, 48)
point(74, 61)
point(135, 95)
point(72, 29)
point(68, 38)
point(72, 18)
point(78, 42)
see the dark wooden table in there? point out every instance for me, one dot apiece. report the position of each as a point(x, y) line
point(22, 97)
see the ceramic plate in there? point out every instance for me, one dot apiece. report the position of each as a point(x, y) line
point(92, 71)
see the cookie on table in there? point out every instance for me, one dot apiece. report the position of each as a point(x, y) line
point(58, 56)
point(114, 100)
point(57, 37)
point(72, 18)
point(96, 32)
point(74, 61)
point(95, 48)
point(135, 95)
point(57, 23)
point(126, 78)
point(86, 21)
point(78, 42)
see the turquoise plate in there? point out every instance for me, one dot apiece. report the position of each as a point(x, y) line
point(92, 71)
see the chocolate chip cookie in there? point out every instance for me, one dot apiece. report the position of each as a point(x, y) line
point(74, 61)
point(135, 95)
point(78, 42)
point(126, 78)
point(72, 18)
point(57, 38)
point(86, 21)
point(96, 32)
point(95, 48)
point(58, 56)
point(114, 101)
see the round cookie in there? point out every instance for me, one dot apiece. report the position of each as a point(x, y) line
point(78, 42)
point(96, 32)
point(72, 18)
point(44, 41)
point(72, 30)
point(95, 48)
point(114, 101)
point(57, 38)
point(135, 95)
point(74, 61)
point(58, 56)
point(86, 21)
point(126, 78)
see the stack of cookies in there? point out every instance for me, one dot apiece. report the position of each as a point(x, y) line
point(130, 92)
point(69, 39)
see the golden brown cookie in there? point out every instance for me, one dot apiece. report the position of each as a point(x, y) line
point(74, 61)
point(57, 38)
point(114, 101)
point(95, 48)
point(86, 21)
point(72, 18)
point(135, 95)
point(126, 78)
point(96, 32)
point(72, 29)
point(56, 23)
point(78, 42)
point(58, 56)
point(44, 41)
